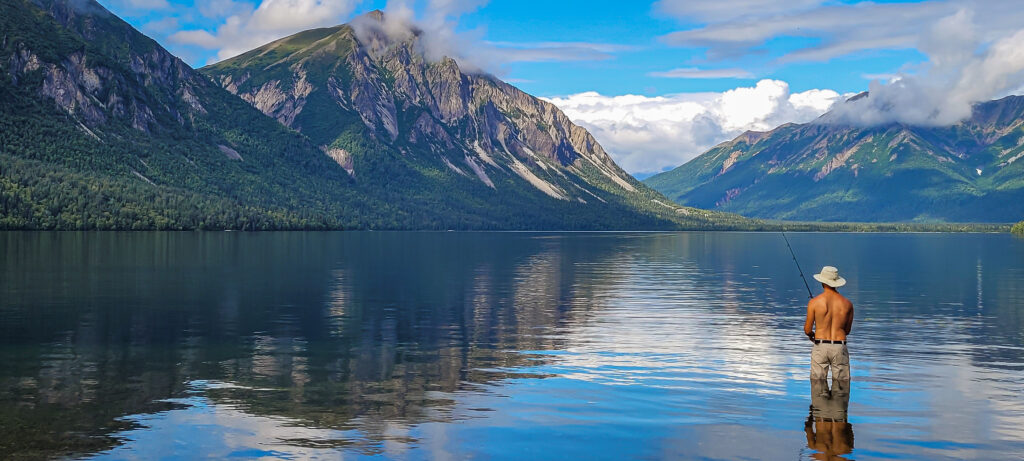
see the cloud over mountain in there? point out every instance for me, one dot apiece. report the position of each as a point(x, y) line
point(954, 53)
point(245, 27)
point(436, 23)
point(956, 77)
point(973, 48)
point(240, 25)
point(650, 134)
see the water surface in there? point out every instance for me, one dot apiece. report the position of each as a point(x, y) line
point(503, 346)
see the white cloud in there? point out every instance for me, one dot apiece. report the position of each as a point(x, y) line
point(245, 28)
point(837, 29)
point(200, 38)
point(693, 72)
point(296, 15)
point(223, 8)
point(650, 134)
point(883, 77)
point(941, 91)
point(956, 77)
point(435, 30)
point(727, 29)
point(440, 37)
point(161, 26)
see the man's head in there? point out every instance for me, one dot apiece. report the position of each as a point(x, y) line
point(829, 278)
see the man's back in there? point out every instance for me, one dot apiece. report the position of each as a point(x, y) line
point(829, 321)
point(832, 315)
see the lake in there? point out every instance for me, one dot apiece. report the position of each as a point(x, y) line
point(503, 346)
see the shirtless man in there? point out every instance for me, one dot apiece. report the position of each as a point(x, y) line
point(829, 321)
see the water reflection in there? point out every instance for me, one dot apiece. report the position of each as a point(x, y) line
point(370, 333)
point(499, 345)
point(828, 427)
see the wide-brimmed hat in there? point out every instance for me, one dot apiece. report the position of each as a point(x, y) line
point(830, 276)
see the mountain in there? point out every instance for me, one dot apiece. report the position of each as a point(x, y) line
point(827, 171)
point(415, 129)
point(102, 128)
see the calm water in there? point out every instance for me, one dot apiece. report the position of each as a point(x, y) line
point(503, 346)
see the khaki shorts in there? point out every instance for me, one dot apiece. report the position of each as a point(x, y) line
point(834, 356)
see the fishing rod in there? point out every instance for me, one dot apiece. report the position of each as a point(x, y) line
point(809, 294)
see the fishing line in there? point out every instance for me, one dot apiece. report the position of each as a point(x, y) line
point(809, 294)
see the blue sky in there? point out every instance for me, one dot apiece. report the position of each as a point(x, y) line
point(636, 25)
point(701, 71)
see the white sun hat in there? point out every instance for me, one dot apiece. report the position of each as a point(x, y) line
point(830, 276)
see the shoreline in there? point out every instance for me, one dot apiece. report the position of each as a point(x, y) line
point(804, 228)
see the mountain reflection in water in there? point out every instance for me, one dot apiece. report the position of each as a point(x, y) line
point(503, 345)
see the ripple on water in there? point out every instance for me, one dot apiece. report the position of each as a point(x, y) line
point(507, 346)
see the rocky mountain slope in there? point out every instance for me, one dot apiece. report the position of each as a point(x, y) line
point(101, 128)
point(372, 101)
point(969, 172)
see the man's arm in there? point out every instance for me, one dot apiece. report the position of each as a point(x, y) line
point(809, 323)
point(849, 321)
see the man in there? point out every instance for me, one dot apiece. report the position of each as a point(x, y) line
point(829, 321)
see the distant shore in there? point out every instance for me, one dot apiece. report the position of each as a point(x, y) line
point(888, 227)
point(751, 226)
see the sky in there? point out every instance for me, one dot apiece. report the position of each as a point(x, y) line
point(661, 82)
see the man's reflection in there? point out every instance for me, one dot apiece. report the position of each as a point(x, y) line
point(827, 428)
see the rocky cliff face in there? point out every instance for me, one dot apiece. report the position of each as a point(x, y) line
point(972, 171)
point(141, 83)
point(101, 128)
point(476, 125)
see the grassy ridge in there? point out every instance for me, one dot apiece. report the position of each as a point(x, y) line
point(821, 172)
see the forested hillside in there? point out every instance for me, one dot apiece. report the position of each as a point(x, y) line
point(830, 171)
point(102, 128)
